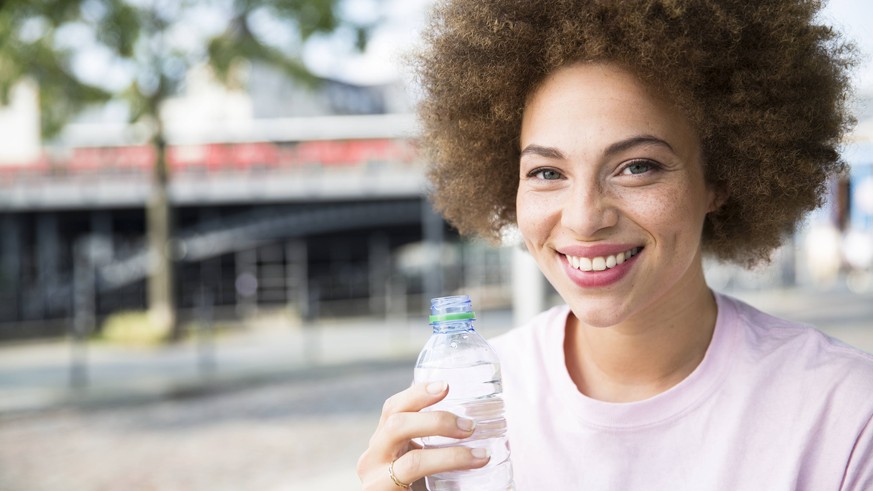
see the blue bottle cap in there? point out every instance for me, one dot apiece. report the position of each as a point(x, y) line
point(454, 308)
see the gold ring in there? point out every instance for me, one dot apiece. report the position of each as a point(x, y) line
point(397, 482)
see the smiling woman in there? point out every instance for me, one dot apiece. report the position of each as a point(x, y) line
point(608, 171)
point(626, 143)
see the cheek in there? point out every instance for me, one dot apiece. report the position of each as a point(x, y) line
point(533, 215)
point(668, 217)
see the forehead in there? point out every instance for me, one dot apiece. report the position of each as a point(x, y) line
point(591, 102)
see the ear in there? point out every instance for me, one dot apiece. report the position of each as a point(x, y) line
point(717, 195)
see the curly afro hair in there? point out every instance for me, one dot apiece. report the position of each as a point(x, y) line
point(765, 86)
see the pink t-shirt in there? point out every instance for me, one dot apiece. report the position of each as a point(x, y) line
point(774, 405)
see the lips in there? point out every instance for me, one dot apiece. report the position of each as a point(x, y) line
point(599, 266)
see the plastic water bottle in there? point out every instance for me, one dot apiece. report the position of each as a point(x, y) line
point(458, 355)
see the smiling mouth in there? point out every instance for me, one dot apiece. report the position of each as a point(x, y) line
point(601, 263)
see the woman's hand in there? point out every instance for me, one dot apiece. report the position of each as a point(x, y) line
point(391, 446)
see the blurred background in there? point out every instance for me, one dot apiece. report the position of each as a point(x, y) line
point(216, 253)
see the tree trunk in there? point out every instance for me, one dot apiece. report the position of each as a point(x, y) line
point(161, 305)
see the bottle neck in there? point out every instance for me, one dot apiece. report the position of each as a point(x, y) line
point(445, 327)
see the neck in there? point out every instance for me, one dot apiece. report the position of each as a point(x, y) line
point(643, 356)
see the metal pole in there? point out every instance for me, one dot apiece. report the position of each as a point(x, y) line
point(83, 310)
point(48, 256)
point(311, 333)
point(11, 260)
point(206, 338)
point(297, 278)
point(379, 260)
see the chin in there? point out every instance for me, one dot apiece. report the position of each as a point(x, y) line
point(598, 314)
point(596, 321)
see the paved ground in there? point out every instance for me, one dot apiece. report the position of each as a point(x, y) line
point(296, 435)
point(283, 409)
point(269, 417)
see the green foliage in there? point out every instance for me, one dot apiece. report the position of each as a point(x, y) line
point(227, 51)
point(28, 50)
point(119, 28)
point(137, 328)
point(133, 328)
point(137, 36)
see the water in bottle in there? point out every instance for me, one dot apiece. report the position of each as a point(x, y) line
point(458, 355)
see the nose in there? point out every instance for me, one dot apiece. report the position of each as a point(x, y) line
point(588, 209)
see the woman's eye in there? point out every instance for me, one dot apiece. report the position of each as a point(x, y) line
point(546, 174)
point(639, 167)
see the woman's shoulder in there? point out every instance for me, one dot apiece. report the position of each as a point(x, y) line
point(780, 345)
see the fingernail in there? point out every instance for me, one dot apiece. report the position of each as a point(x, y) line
point(480, 453)
point(466, 424)
point(436, 387)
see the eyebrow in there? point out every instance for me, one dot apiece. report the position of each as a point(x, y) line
point(548, 152)
point(617, 147)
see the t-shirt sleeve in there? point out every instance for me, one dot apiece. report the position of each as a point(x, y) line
point(859, 471)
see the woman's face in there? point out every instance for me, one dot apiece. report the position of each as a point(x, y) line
point(611, 199)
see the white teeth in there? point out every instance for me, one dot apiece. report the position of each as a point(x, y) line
point(598, 263)
point(601, 263)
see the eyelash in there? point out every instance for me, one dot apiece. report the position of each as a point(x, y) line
point(650, 164)
point(540, 170)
